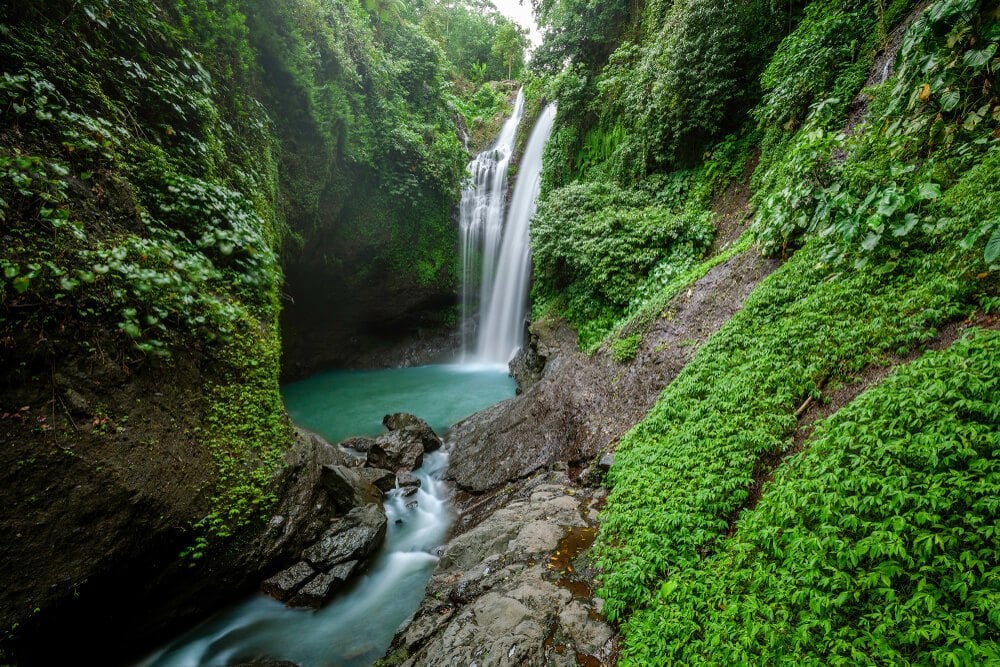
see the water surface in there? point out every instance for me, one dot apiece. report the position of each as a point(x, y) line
point(339, 404)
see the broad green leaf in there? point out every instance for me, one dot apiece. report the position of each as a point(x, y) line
point(992, 251)
point(871, 241)
point(977, 58)
point(950, 99)
point(909, 222)
point(21, 284)
point(668, 587)
point(928, 191)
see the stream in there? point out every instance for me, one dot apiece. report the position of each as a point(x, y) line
point(355, 629)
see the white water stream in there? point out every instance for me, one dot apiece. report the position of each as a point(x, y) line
point(496, 258)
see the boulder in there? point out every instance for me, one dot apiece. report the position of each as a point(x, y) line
point(528, 365)
point(401, 421)
point(346, 488)
point(398, 420)
point(397, 450)
point(406, 480)
point(353, 537)
point(326, 453)
point(358, 444)
point(322, 587)
point(382, 479)
point(286, 582)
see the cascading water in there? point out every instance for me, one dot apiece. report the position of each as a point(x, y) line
point(501, 326)
point(481, 218)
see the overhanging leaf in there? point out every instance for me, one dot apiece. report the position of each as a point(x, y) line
point(871, 241)
point(950, 100)
point(928, 191)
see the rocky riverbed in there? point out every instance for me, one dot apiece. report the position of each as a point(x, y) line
point(516, 588)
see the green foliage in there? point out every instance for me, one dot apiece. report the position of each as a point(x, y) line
point(157, 156)
point(874, 193)
point(139, 190)
point(596, 244)
point(828, 55)
point(568, 272)
point(683, 472)
point(508, 47)
point(900, 179)
point(662, 92)
point(469, 32)
point(483, 112)
point(975, 203)
point(581, 32)
point(371, 161)
point(625, 349)
point(876, 544)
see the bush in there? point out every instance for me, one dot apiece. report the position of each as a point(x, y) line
point(625, 349)
point(597, 243)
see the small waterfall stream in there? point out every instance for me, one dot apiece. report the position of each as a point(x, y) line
point(496, 260)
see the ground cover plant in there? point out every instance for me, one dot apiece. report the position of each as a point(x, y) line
point(874, 545)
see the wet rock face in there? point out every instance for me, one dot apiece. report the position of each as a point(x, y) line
point(358, 444)
point(397, 450)
point(342, 551)
point(286, 582)
point(515, 589)
point(348, 541)
point(414, 427)
point(527, 365)
point(322, 588)
point(347, 488)
point(381, 479)
point(354, 537)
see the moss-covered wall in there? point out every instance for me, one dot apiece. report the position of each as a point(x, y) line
point(159, 164)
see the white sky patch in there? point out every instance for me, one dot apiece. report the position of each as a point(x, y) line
point(520, 12)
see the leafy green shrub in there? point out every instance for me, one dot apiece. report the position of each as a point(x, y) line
point(597, 243)
point(625, 349)
point(873, 192)
point(876, 544)
point(139, 191)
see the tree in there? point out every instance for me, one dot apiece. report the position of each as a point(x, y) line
point(509, 46)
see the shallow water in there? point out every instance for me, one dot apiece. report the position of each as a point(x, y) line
point(355, 629)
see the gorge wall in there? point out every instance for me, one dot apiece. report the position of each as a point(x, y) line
point(161, 163)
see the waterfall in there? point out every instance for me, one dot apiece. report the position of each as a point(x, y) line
point(481, 218)
point(501, 327)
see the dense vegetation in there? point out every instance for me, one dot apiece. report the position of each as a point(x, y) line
point(877, 127)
